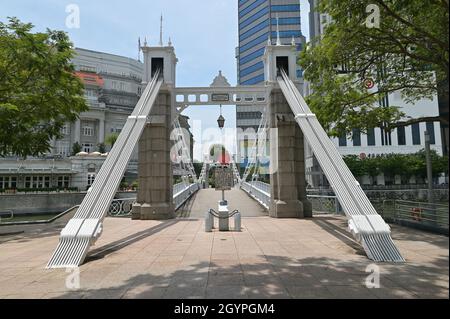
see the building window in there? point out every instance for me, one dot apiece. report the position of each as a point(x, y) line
point(356, 135)
point(88, 131)
point(47, 181)
point(119, 86)
point(343, 140)
point(37, 182)
point(371, 137)
point(415, 128)
point(430, 130)
point(28, 182)
point(91, 178)
point(90, 94)
point(65, 130)
point(63, 181)
point(401, 135)
point(87, 147)
point(63, 148)
point(8, 182)
point(88, 68)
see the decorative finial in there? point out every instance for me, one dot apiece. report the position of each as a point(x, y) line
point(269, 42)
point(293, 41)
point(220, 81)
point(161, 31)
point(170, 42)
point(139, 49)
point(145, 41)
point(278, 32)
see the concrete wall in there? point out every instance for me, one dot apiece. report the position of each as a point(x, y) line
point(45, 203)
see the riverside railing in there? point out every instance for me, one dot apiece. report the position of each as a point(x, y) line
point(421, 215)
point(122, 207)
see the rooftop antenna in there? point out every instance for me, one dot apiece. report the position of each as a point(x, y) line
point(278, 32)
point(161, 31)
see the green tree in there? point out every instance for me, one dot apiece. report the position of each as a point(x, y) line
point(355, 164)
point(408, 53)
point(372, 167)
point(197, 168)
point(76, 148)
point(101, 148)
point(394, 164)
point(39, 92)
point(439, 164)
point(111, 139)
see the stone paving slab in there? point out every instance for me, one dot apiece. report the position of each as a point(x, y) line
point(270, 258)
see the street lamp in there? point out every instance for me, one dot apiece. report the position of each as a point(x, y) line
point(221, 119)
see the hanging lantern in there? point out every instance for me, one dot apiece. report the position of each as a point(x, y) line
point(221, 122)
point(221, 119)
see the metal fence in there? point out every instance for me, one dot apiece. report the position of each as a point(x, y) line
point(123, 207)
point(421, 215)
point(324, 204)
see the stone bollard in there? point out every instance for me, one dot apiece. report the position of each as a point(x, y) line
point(209, 222)
point(237, 221)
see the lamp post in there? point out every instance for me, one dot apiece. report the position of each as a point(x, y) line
point(429, 167)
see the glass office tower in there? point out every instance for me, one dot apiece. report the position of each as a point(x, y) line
point(258, 24)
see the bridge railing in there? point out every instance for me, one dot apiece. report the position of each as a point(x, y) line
point(122, 207)
point(259, 191)
point(324, 204)
point(183, 193)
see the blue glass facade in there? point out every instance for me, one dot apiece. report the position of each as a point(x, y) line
point(258, 23)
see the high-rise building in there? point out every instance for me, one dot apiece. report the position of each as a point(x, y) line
point(259, 21)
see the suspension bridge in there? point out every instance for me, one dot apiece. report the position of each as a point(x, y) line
point(286, 116)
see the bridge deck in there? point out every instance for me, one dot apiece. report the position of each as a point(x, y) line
point(270, 258)
point(205, 199)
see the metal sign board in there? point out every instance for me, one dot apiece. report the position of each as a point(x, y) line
point(220, 97)
point(224, 178)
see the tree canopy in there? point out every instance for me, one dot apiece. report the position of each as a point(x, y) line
point(406, 165)
point(405, 51)
point(39, 92)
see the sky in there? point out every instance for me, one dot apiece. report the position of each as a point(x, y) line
point(203, 32)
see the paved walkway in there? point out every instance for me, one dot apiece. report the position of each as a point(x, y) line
point(205, 199)
point(270, 258)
